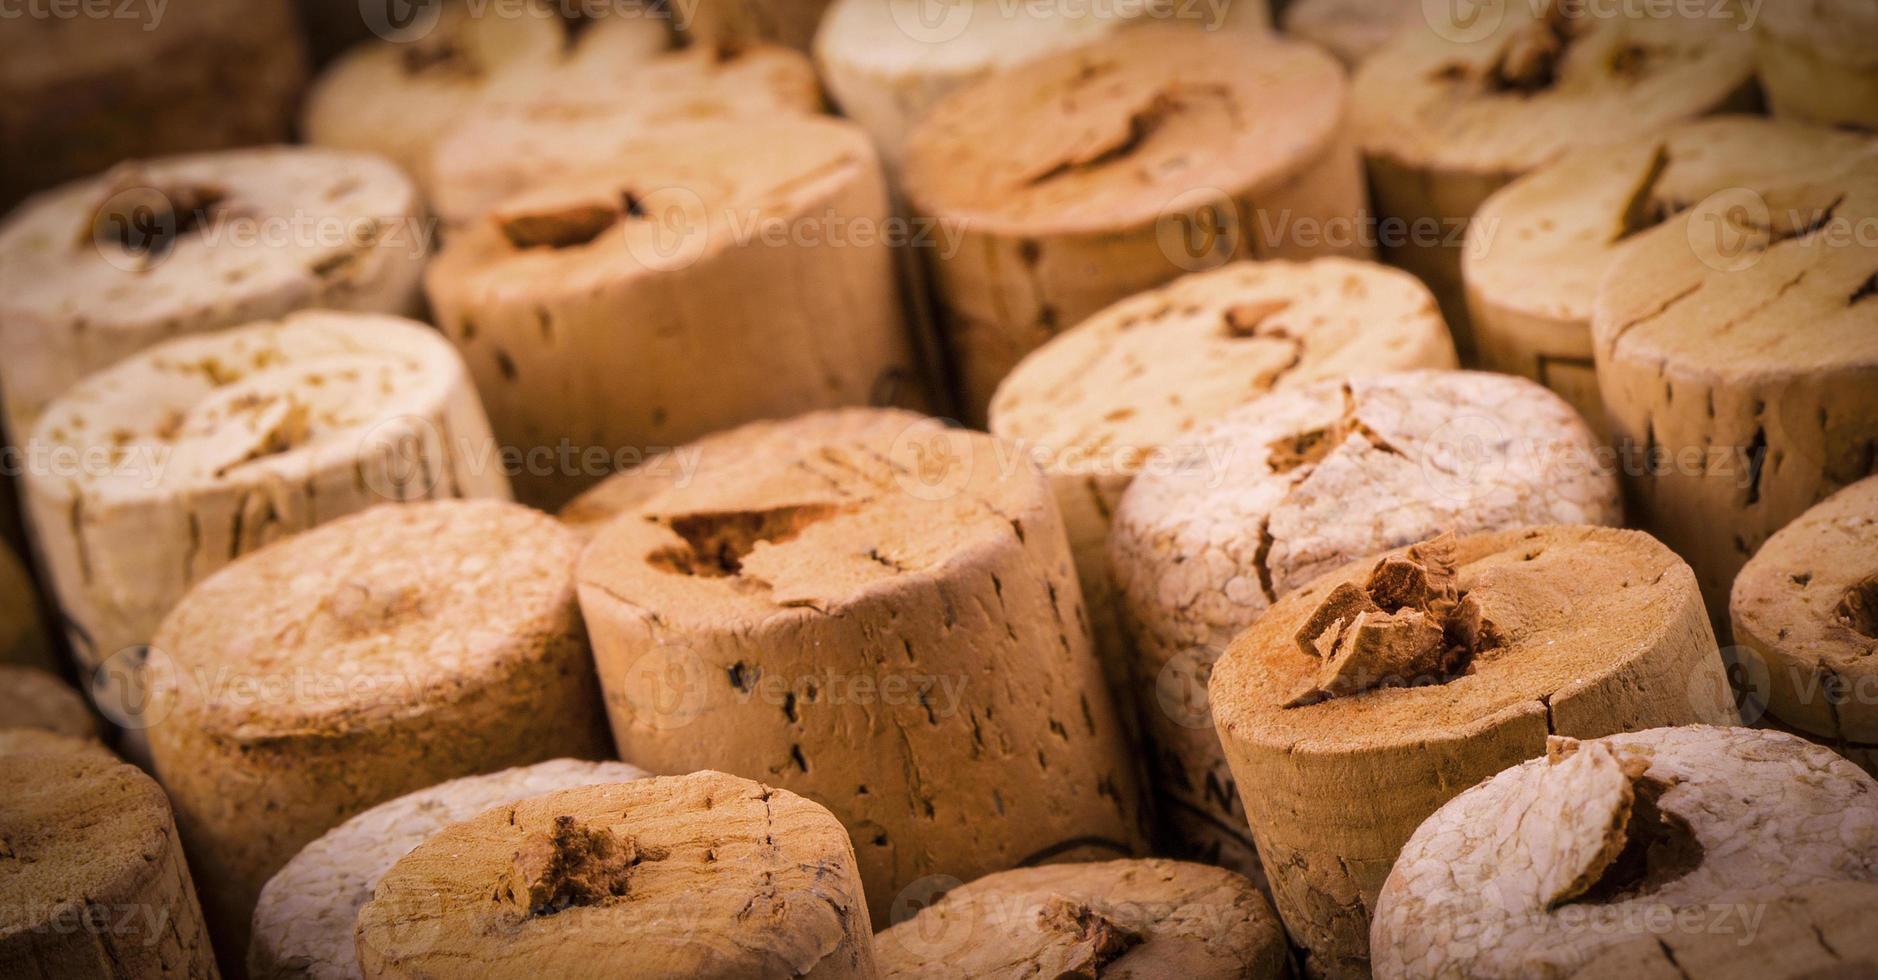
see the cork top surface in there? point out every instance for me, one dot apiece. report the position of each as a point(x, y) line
point(1143, 918)
point(1821, 929)
point(1808, 599)
point(840, 523)
point(1555, 857)
point(897, 39)
point(1716, 291)
point(33, 698)
point(1547, 78)
point(508, 145)
point(1549, 236)
point(1115, 132)
point(24, 741)
point(724, 455)
point(177, 240)
point(303, 924)
point(1839, 31)
point(1156, 367)
point(660, 203)
point(268, 401)
point(1564, 604)
point(705, 875)
point(78, 829)
point(395, 610)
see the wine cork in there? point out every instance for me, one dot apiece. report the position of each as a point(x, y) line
point(1293, 486)
point(396, 96)
point(690, 286)
point(1449, 111)
point(36, 741)
point(78, 94)
point(1811, 931)
point(791, 23)
point(1350, 29)
point(1143, 918)
point(506, 148)
point(726, 455)
point(1531, 283)
point(23, 639)
point(304, 922)
point(1555, 862)
point(173, 463)
point(1816, 61)
point(1123, 389)
point(1730, 421)
point(704, 876)
point(100, 269)
point(371, 657)
point(1128, 162)
point(95, 883)
point(896, 634)
point(33, 698)
point(1431, 669)
point(1807, 604)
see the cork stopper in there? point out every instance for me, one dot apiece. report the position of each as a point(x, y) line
point(33, 698)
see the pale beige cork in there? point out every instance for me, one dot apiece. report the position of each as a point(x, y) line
point(303, 925)
point(1548, 238)
point(894, 632)
point(1295, 485)
point(1580, 631)
point(23, 638)
point(33, 698)
point(508, 147)
point(23, 741)
point(698, 877)
point(1807, 603)
point(79, 94)
point(1124, 164)
point(1350, 29)
point(1130, 387)
point(688, 286)
point(1641, 849)
point(173, 463)
point(1141, 918)
point(103, 268)
point(94, 882)
point(377, 655)
point(1817, 62)
point(1448, 112)
point(728, 454)
point(1732, 422)
point(397, 96)
point(790, 23)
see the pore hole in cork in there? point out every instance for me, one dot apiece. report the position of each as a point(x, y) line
point(1659, 847)
point(717, 543)
point(572, 866)
point(1858, 608)
point(146, 218)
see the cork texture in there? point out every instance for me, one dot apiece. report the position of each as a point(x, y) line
point(1716, 822)
point(102, 268)
point(703, 876)
point(1449, 112)
point(645, 304)
point(1075, 195)
point(94, 882)
point(1813, 930)
point(303, 925)
point(1815, 64)
point(1143, 918)
point(33, 698)
point(896, 634)
point(371, 657)
point(1739, 423)
point(1583, 631)
point(23, 741)
point(1532, 281)
point(1296, 485)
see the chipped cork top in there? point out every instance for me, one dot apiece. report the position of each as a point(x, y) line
point(1156, 367)
point(1560, 227)
point(263, 401)
point(370, 618)
point(1112, 132)
point(1717, 292)
point(756, 881)
point(78, 828)
point(816, 531)
point(1544, 82)
point(1559, 603)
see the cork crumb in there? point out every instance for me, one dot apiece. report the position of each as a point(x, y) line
point(575, 865)
point(140, 215)
point(1858, 608)
point(1639, 850)
point(1098, 941)
point(716, 543)
point(1407, 624)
